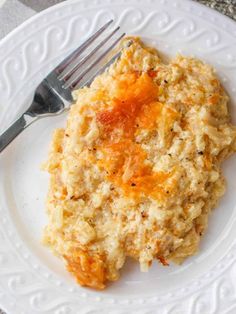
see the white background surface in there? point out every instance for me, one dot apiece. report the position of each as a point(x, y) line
point(31, 279)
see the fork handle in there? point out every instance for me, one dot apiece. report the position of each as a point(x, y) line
point(16, 128)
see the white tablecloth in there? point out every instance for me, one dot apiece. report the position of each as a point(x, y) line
point(14, 12)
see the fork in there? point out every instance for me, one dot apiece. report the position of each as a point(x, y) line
point(53, 95)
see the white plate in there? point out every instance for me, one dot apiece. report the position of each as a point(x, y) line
point(31, 279)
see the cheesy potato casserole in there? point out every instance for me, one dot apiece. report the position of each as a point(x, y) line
point(136, 171)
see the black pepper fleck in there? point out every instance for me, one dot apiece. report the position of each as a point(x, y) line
point(133, 184)
point(143, 214)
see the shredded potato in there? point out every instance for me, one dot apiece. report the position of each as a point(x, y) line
point(136, 171)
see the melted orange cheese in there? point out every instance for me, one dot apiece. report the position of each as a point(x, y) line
point(133, 91)
point(125, 165)
point(88, 269)
point(135, 106)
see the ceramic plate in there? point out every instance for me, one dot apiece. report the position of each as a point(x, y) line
point(32, 280)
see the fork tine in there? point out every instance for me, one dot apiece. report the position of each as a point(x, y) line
point(74, 65)
point(106, 65)
point(76, 78)
point(100, 71)
point(81, 48)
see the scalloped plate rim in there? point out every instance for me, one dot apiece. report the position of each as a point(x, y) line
point(38, 16)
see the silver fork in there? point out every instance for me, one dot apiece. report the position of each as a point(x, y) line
point(53, 96)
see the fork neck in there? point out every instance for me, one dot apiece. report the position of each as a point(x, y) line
point(15, 129)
